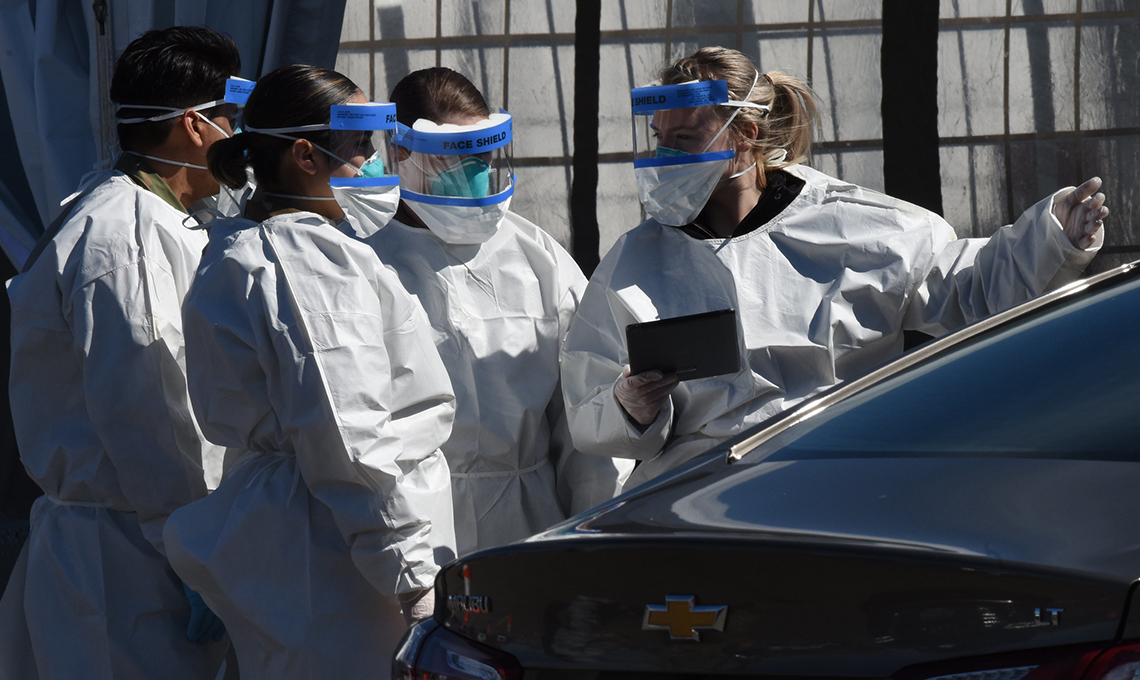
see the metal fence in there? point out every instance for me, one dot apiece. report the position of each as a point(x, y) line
point(1032, 95)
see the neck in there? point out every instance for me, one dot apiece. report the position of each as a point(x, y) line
point(729, 204)
point(406, 215)
point(179, 183)
point(188, 184)
point(261, 206)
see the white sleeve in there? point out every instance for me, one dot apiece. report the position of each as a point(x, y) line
point(593, 356)
point(583, 480)
point(970, 279)
point(368, 404)
point(127, 324)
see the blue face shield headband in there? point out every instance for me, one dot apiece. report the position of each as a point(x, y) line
point(237, 92)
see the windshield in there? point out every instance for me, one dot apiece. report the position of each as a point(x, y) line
point(1062, 383)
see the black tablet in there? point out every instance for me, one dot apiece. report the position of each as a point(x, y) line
point(693, 346)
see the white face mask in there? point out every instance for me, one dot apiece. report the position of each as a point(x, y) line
point(675, 194)
point(461, 224)
point(373, 207)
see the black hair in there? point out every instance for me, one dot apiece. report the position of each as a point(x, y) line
point(290, 96)
point(435, 94)
point(176, 67)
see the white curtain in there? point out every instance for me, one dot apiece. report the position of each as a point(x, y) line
point(55, 66)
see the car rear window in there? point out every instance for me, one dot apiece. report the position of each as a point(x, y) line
point(1062, 383)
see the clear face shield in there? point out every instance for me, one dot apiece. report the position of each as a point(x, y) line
point(361, 141)
point(366, 184)
point(682, 148)
point(679, 121)
point(458, 179)
point(464, 165)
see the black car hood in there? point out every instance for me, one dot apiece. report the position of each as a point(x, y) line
point(842, 566)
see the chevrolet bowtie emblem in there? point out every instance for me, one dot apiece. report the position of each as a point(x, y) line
point(683, 618)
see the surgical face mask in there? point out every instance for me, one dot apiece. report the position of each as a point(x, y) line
point(373, 167)
point(469, 178)
point(462, 224)
point(371, 207)
point(666, 152)
point(675, 194)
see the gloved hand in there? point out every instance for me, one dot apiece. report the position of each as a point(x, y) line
point(1081, 212)
point(204, 624)
point(645, 394)
point(418, 606)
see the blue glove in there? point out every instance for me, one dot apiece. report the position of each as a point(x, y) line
point(204, 624)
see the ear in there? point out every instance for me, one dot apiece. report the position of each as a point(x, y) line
point(402, 154)
point(304, 154)
point(189, 122)
point(750, 129)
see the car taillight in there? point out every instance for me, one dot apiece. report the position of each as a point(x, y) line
point(1118, 663)
point(1078, 662)
point(431, 652)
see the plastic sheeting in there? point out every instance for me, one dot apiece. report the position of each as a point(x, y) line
point(1063, 106)
point(55, 70)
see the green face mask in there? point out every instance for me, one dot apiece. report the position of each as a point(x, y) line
point(469, 178)
point(666, 152)
point(373, 167)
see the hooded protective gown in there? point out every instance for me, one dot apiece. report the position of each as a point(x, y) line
point(499, 310)
point(103, 422)
point(313, 365)
point(822, 293)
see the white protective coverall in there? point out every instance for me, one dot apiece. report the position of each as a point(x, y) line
point(104, 426)
point(309, 360)
point(822, 293)
point(499, 311)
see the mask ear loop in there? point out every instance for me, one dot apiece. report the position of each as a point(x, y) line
point(197, 112)
point(174, 113)
point(167, 161)
point(745, 104)
point(200, 223)
point(279, 133)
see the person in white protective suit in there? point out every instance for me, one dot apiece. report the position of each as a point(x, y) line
point(98, 386)
point(500, 293)
point(824, 275)
point(309, 361)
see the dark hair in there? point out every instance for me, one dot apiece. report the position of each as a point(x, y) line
point(434, 94)
point(287, 97)
point(175, 67)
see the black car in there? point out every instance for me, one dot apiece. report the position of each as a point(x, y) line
point(970, 511)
